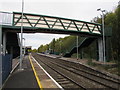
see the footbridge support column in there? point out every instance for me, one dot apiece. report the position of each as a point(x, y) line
point(100, 49)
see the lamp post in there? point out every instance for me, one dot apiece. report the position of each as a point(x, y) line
point(104, 58)
point(21, 45)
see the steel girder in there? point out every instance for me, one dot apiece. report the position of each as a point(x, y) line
point(56, 23)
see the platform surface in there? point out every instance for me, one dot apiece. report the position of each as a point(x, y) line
point(27, 78)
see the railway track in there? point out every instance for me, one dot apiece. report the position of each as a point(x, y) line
point(62, 79)
point(77, 76)
point(89, 70)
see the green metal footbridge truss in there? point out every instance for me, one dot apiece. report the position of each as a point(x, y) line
point(50, 24)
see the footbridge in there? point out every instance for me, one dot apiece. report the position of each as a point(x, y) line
point(35, 23)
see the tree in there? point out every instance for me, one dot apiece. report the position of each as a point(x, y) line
point(40, 49)
point(34, 50)
point(118, 31)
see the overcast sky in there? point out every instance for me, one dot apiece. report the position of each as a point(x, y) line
point(84, 10)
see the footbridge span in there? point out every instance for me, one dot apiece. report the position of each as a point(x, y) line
point(34, 23)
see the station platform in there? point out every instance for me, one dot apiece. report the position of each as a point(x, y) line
point(32, 75)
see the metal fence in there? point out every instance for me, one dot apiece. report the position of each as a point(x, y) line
point(6, 18)
point(73, 45)
point(6, 66)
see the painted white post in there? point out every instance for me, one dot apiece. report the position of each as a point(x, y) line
point(21, 45)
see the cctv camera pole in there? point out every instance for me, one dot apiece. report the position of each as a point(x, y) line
point(104, 57)
point(103, 37)
point(21, 45)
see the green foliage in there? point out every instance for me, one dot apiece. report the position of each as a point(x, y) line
point(118, 33)
point(59, 45)
point(113, 20)
point(43, 48)
point(34, 50)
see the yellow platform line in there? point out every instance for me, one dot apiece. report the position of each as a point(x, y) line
point(35, 73)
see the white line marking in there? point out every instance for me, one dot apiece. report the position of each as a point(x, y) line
point(14, 67)
point(48, 74)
